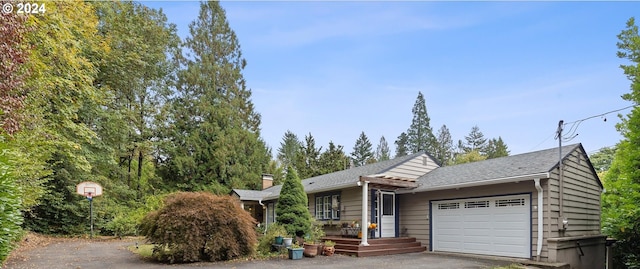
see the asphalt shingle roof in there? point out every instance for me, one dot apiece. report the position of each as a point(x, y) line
point(520, 165)
point(511, 166)
point(251, 195)
point(337, 180)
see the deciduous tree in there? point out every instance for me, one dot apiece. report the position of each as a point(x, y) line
point(13, 55)
point(136, 73)
point(620, 211)
point(62, 103)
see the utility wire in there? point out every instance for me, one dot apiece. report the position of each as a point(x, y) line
point(571, 133)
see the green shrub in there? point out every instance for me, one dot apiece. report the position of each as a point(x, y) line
point(265, 241)
point(127, 221)
point(200, 226)
point(292, 208)
point(10, 217)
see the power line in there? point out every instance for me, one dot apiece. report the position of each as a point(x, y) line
point(571, 133)
point(600, 115)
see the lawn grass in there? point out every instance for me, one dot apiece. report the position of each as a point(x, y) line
point(144, 251)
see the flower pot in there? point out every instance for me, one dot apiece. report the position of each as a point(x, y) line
point(328, 251)
point(278, 240)
point(310, 250)
point(295, 253)
point(287, 241)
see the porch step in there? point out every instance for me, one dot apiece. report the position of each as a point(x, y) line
point(377, 247)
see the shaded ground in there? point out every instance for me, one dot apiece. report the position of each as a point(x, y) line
point(43, 252)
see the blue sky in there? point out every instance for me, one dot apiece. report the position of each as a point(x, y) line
point(514, 69)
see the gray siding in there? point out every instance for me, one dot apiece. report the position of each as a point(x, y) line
point(350, 205)
point(413, 168)
point(581, 196)
point(414, 208)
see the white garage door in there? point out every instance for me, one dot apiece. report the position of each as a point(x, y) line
point(499, 226)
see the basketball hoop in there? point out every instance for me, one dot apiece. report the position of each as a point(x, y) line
point(89, 189)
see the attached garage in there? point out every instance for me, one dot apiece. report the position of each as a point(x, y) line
point(496, 225)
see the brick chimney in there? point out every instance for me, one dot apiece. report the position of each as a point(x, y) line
point(267, 181)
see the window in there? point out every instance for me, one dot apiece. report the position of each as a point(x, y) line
point(476, 204)
point(510, 202)
point(448, 206)
point(271, 215)
point(387, 204)
point(327, 206)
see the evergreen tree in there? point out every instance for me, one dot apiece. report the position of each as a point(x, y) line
point(474, 141)
point(496, 148)
point(308, 158)
point(382, 151)
point(401, 145)
point(620, 211)
point(289, 149)
point(213, 139)
point(291, 208)
point(444, 149)
point(333, 159)
point(362, 151)
point(420, 135)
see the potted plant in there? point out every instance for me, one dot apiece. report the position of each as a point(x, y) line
point(278, 230)
point(311, 246)
point(288, 241)
point(295, 251)
point(329, 248)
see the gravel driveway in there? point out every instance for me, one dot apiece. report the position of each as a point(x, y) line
point(86, 254)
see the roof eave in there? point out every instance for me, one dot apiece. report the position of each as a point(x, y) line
point(480, 183)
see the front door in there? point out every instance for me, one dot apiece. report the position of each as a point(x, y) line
point(387, 214)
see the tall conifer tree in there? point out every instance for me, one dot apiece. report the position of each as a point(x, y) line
point(444, 148)
point(213, 141)
point(382, 151)
point(401, 145)
point(420, 135)
point(362, 151)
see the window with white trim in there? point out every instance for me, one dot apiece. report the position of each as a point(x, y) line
point(327, 206)
point(510, 202)
point(445, 206)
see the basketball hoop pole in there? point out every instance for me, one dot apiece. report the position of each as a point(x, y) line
point(89, 189)
point(90, 198)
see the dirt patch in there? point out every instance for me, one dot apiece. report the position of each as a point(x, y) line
point(29, 242)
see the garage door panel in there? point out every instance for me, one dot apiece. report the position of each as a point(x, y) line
point(491, 226)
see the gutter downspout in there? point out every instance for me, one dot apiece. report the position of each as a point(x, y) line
point(540, 218)
point(264, 213)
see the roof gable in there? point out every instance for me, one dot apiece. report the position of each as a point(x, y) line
point(344, 178)
point(521, 166)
